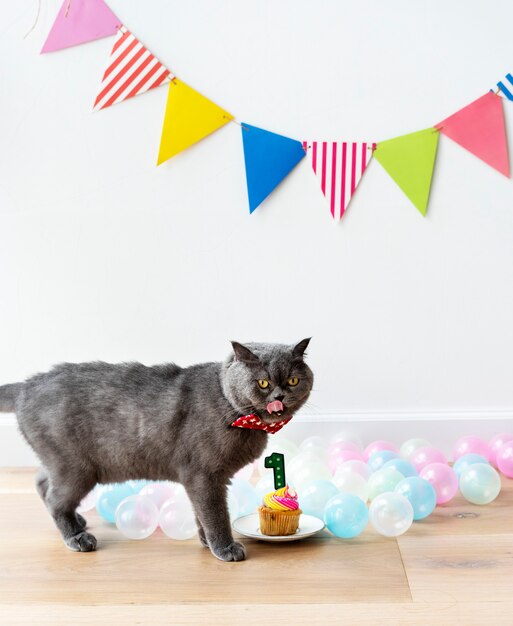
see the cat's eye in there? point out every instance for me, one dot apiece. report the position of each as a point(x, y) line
point(293, 381)
point(263, 383)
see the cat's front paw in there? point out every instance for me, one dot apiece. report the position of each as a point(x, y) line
point(83, 542)
point(234, 552)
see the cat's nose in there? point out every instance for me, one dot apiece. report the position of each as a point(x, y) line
point(280, 398)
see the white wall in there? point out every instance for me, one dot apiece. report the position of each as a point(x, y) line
point(105, 256)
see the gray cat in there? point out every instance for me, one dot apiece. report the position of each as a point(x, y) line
point(99, 423)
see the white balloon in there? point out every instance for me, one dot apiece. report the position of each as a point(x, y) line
point(355, 466)
point(347, 436)
point(177, 517)
point(306, 470)
point(137, 517)
point(233, 505)
point(265, 485)
point(353, 483)
point(277, 444)
point(410, 446)
point(245, 495)
point(313, 442)
point(391, 514)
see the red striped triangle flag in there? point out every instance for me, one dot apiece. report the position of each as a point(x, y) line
point(339, 166)
point(132, 70)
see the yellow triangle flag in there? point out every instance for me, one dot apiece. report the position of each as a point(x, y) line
point(188, 118)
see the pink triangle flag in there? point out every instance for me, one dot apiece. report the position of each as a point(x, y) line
point(80, 21)
point(338, 166)
point(479, 128)
point(132, 70)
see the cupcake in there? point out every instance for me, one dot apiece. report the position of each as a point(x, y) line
point(280, 512)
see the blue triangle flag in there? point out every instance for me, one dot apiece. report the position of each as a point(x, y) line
point(268, 158)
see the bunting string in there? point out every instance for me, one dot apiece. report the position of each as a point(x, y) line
point(338, 165)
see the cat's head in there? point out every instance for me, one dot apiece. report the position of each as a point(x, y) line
point(257, 374)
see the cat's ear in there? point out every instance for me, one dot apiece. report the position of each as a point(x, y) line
point(243, 354)
point(299, 349)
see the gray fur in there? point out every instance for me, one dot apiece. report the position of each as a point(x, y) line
point(100, 423)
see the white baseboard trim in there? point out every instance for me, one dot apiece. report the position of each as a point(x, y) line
point(441, 427)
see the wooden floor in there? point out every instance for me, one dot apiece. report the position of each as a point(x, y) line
point(456, 566)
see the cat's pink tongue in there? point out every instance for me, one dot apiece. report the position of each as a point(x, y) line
point(274, 407)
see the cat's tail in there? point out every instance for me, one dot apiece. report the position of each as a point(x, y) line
point(8, 396)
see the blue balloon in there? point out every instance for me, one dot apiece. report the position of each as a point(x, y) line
point(246, 496)
point(109, 497)
point(403, 466)
point(420, 493)
point(379, 458)
point(346, 515)
point(314, 496)
point(466, 461)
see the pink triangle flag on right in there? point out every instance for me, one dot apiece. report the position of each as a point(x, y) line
point(479, 128)
point(80, 21)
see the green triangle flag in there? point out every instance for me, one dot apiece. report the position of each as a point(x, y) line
point(410, 160)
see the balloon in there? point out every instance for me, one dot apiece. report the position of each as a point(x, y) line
point(233, 505)
point(277, 444)
point(504, 459)
point(480, 483)
point(444, 480)
point(383, 480)
point(411, 445)
point(356, 466)
point(391, 514)
point(403, 466)
point(313, 442)
point(347, 436)
point(137, 485)
point(465, 445)
point(158, 492)
point(88, 502)
point(137, 517)
point(305, 472)
point(379, 458)
point(245, 495)
point(376, 446)
point(314, 496)
point(495, 443)
point(353, 483)
point(109, 496)
point(335, 448)
point(246, 472)
point(265, 485)
point(335, 461)
point(313, 453)
point(420, 494)
point(176, 517)
point(425, 456)
point(346, 515)
point(467, 459)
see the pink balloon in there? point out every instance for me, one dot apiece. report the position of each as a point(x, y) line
point(425, 456)
point(338, 446)
point(444, 480)
point(158, 492)
point(336, 461)
point(495, 443)
point(505, 459)
point(466, 445)
point(377, 446)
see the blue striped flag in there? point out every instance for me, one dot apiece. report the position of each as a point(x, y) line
point(506, 86)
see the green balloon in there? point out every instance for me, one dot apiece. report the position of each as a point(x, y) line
point(383, 480)
point(480, 483)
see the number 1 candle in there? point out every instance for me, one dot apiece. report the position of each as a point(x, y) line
point(277, 461)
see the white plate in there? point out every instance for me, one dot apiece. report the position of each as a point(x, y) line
point(249, 526)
